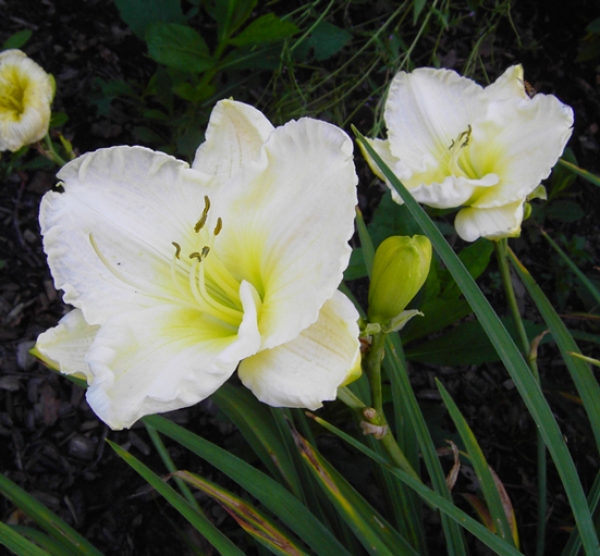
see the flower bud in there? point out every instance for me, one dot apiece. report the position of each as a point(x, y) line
point(26, 92)
point(400, 269)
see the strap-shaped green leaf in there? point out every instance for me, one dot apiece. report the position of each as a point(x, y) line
point(18, 544)
point(528, 388)
point(584, 279)
point(273, 495)
point(499, 546)
point(482, 469)
point(70, 539)
point(253, 521)
point(592, 178)
point(255, 422)
point(585, 381)
point(196, 519)
point(398, 375)
point(376, 534)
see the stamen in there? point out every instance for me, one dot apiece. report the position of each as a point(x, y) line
point(177, 249)
point(196, 255)
point(205, 251)
point(467, 135)
point(207, 303)
point(200, 224)
point(218, 226)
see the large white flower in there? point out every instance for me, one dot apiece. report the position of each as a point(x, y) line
point(26, 92)
point(181, 274)
point(453, 143)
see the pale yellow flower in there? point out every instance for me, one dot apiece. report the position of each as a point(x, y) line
point(26, 92)
point(455, 144)
point(180, 275)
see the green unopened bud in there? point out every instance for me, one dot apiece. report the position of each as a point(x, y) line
point(400, 269)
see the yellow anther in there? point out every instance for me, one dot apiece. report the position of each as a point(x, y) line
point(218, 226)
point(177, 249)
point(205, 251)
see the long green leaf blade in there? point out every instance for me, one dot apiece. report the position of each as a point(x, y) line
point(18, 544)
point(268, 491)
point(584, 279)
point(255, 422)
point(519, 371)
point(585, 381)
point(376, 535)
point(592, 178)
point(480, 464)
point(196, 519)
point(70, 539)
point(253, 521)
point(397, 372)
point(499, 546)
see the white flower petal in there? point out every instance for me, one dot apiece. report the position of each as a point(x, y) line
point(235, 134)
point(126, 205)
point(160, 359)
point(520, 142)
point(25, 96)
point(509, 86)
point(426, 110)
point(286, 223)
point(452, 192)
point(493, 223)
point(309, 369)
point(64, 346)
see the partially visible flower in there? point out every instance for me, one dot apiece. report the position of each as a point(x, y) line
point(454, 144)
point(181, 274)
point(26, 92)
point(400, 268)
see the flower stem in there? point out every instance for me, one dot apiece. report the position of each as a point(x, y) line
point(375, 416)
point(530, 355)
point(51, 153)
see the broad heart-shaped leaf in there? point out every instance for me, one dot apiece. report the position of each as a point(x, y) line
point(248, 57)
point(253, 521)
point(526, 384)
point(195, 518)
point(230, 15)
point(178, 47)
point(139, 13)
point(17, 40)
point(266, 29)
point(391, 219)
point(466, 344)
point(269, 492)
point(325, 41)
point(476, 258)
point(438, 313)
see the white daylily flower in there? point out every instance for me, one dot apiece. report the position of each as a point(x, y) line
point(453, 144)
point(179, 274)
point(26, 92)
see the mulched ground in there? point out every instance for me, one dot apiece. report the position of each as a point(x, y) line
point(51, 443)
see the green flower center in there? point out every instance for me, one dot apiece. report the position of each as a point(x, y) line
point(213, 287)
